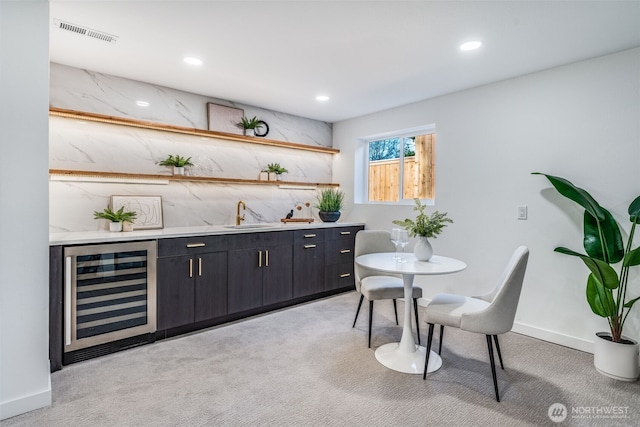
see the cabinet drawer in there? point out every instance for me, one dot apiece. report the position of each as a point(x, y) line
point(191, 245)
point(339, 276)
point(259, 239)
point(340, 251)
point(343, 232)
point(308, 236)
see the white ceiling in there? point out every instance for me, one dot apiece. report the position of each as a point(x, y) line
point(366, 55)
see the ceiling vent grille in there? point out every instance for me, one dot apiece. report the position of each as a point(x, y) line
point(84, 31)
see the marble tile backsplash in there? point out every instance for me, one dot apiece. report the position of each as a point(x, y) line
point(93, 146)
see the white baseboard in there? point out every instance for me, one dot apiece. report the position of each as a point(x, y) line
point(25, 404)
point(554, 337)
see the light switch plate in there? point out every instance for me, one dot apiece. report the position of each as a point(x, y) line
point(522, 212)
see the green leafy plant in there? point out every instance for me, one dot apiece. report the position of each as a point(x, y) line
point(606, 290)
point(250, 123)
point(424, 225)
point(276, 168)
point(118, 216)
point(177, 161)
point(330, 200)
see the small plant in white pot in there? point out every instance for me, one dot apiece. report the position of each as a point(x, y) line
point(250, 125)
point(424, 227)
point(615, 355)
point(276, 170)
point(177, 162)
point(115, 218)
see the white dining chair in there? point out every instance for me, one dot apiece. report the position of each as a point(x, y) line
point(491, 314)
point(374, 285)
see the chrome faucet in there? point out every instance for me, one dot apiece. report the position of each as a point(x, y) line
point(239, 218)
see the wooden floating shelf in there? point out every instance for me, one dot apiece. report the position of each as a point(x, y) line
point(105, 176)
point(80, 115)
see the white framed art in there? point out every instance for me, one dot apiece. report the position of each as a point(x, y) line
point(147, 208)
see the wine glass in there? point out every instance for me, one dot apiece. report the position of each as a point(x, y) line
point(395, 233)
point(403, 240)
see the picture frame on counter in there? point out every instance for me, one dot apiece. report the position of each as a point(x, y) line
point(224, 119)
point(147, 208)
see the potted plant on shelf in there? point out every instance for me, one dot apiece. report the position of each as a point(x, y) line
point(276, 170)
point(116, 218)
point(177, 162)
point(425, 226)
point(615, 355)
point(330, 202)
point(250, 125)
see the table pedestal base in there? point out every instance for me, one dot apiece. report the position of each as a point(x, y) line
point(409, 363)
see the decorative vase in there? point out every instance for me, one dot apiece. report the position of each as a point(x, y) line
point(423, 250)
point(127, 226)
point(272, 176)
point(616, 360)
point(249, 132)
point(329, 216)
point(115, 226)
point(178, 170)
point(264, 176)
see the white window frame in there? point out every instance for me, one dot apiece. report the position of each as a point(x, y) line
point(361, 166)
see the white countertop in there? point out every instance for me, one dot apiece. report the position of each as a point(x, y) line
point(81, 237)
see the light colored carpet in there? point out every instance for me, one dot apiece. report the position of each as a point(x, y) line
point(306, 366)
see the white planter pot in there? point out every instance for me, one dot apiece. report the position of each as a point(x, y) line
point(115, 226)
point(272, 176)
point(264, 176)
point(250, 132)
point(616, 360)
point(127, 226)
point(178, 170)
point(423, 250)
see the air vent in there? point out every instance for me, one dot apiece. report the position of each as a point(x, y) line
point(84, 31)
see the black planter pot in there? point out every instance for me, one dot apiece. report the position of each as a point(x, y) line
point(329, 216)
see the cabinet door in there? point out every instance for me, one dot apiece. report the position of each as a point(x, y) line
point(175, 288)
point(244, 290)
point(277, 276)
point(210, 285)
point(308, 268)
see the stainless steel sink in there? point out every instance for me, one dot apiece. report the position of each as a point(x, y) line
point(241, 226)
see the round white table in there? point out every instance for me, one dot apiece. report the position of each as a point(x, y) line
point(406, 356)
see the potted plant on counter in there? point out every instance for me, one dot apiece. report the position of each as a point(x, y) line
point(116, 218)
point(425, 227)
point(250, 125)
point(177, 162)
point(614, 355)
point(330, 202)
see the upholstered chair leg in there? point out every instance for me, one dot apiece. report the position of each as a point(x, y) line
point(415, 310)
point(370, 320)
point(493, 367)
point(426, 359)
point(395, 309)
point(358, 311)
point(495, 339)
point(440, 342)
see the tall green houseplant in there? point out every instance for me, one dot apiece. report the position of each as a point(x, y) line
point(606, 290)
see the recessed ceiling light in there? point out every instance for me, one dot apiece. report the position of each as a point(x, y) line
point(142, 103)
point(470, 45)
point(192, 61)
point(322, 98)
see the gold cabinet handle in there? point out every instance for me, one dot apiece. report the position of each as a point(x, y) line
point(345, 275)
point(266, 258)
point(190, 268)
point(345, 251)
point(259, 258)
point(309, 246)
point(199, 266)
point(195, 245)
point(345, 233)
point(308, 236)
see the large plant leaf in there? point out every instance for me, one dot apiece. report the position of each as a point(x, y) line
point(634, 211)
point(600, 298)
point(613, 244)
point(632, 258)
point(577, 194)
point(602, 271)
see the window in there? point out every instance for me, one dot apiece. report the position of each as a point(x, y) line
point(400, 167)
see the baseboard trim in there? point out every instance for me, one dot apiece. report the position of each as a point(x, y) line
point(553, 337)
point(26, 404)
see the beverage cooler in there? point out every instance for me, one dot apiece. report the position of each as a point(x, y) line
point(109, 298)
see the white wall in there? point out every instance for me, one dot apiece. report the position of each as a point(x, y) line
point(580, 121)
point(24, 245)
